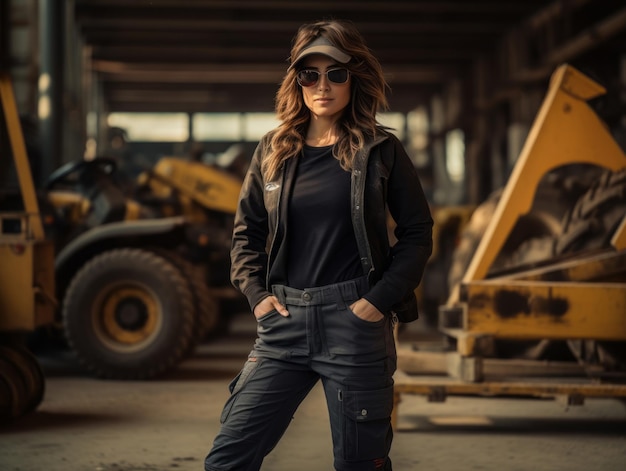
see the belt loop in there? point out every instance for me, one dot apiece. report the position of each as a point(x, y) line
point(353, 290)
point(279, 292)
point(341, 303)
point(362, 286)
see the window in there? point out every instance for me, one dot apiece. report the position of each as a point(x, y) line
point(395, 121)
point(257, 124)
point(217, 127)
point(152, 127)
point(455, 155)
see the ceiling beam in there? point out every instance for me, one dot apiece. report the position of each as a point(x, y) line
point(322, 6)
point(243, 73)
point(171, 25)
point(195, 54)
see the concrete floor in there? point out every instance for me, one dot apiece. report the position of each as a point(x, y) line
point(85, 424)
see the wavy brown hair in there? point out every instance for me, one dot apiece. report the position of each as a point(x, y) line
point(368, 96)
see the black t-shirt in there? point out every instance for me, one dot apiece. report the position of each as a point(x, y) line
point(322, 247)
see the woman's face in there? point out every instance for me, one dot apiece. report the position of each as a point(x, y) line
point(325, 99)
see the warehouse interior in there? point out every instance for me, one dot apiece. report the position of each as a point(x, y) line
point(470, 65)
point(125, 133)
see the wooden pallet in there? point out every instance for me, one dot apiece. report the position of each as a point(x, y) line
point(532, 380)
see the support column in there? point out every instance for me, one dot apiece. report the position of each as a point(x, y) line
point(50, 86)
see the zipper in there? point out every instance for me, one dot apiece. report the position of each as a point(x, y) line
point(278, 208)
point(358, 199)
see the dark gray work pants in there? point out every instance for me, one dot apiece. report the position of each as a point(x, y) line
point(321, 339)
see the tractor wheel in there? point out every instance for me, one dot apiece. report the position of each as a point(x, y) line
point(13, 389)
point(128, 314)
point(539, 224)
point(593, 220)
point(206, 310)
point(22, 382)
point(8, 394)
point(533, 226)
point(470, 238)
point(531, 240)
point(590, 225)
point(557, 192)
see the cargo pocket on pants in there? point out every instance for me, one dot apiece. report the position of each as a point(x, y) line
point(235, 386)
point(367, 431)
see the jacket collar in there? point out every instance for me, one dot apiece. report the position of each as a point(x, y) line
point(362, 156)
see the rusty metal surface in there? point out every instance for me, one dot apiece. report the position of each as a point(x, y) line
point(554, 310)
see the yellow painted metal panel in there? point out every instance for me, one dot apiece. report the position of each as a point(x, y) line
point(592, 266)
point(17, 303)
point(26, 286)
point(550, 310)
point(44, 280)
point(20, 156)
point(210, 187)
point(566, 131)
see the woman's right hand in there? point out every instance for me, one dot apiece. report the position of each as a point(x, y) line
point(268, 304)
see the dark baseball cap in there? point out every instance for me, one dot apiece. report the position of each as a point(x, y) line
point(323, 46)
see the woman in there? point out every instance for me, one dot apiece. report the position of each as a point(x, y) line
point(311, 254)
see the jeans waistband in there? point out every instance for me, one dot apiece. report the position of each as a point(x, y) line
point(338, 293)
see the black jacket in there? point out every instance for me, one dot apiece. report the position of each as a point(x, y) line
point(383, 178)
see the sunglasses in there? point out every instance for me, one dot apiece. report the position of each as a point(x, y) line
point(310, 77)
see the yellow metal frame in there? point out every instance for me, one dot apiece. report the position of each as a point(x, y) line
point(20, 157)
point(574, 299)
point(566, 131)
point(540, 309)
point(583, 298)
point(195, 181)
point(577, 298)
point(27, 258)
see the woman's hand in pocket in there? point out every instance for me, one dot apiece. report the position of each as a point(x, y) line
point(267, 305)
point(365, 310)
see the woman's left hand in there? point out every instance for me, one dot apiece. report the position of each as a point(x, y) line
point(365, 310)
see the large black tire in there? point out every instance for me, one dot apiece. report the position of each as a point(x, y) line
point(22, 382)
point(590, 225)
point(206, 310)
point(470, 238)
point(531, 240)
point(13, 389)
point(593, 220)
point(128, 314)
point(538, 224)
point(541, 223)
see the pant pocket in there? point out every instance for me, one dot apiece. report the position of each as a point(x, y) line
point(348, 334)
point(367, 430)
point(235, 386)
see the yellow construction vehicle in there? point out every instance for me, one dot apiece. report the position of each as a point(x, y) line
point(576, 294)
point(138, 278)
point(26, 280)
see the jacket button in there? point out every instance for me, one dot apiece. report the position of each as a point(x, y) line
point(306, 296)
point(364, 412)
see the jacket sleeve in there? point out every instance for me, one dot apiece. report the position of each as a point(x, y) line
point(409, 209)
point(250, 233)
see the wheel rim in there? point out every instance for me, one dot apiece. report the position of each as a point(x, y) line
point(126, 317)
